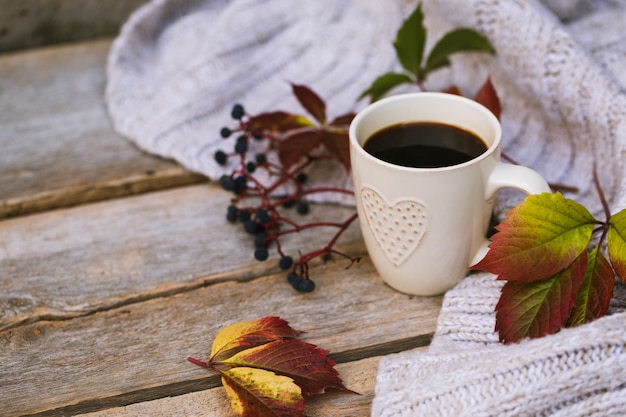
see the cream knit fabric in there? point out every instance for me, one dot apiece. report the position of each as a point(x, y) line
point(179, 65)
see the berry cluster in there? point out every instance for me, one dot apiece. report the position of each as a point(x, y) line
point(259, 207)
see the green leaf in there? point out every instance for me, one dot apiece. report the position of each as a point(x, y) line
point(306, 364)
point(617, 243)
point(538, 308)
point(540, 237)
point(458, 40)
point(260, 393)
point(384, 83)
point(594, 295)
point(410, 41)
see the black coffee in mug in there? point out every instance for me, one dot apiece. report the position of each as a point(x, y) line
point(424, 145)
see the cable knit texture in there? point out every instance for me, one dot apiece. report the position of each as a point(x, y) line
point(178, 66)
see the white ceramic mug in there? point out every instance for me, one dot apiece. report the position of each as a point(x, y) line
point(424, 227)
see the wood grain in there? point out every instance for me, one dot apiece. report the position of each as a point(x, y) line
point(137, 352)
point(358, 376)
point(58, 146)
point(80, 260)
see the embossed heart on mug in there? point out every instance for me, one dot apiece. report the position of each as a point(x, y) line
point(398, 228)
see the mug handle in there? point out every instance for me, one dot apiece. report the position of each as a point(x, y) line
point(511, 176)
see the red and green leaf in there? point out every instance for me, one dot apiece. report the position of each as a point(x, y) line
point(251, 333)
point(310, 101)
point(488, 97)
point(617, 243)
point(538, 308)
point(260, 393)
point(277, 122)
point(540, 237)
point(298, 145)
point(303, 362)
point(596, 290)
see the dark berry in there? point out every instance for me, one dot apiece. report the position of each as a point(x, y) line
point(227, 183)
point(225, 132)
point(251, 227)
point(260, 158)
point(259, 240)
point(306, 285)
point(244, 215)
point(231, 213)
point(220, 157)
point(257, 136)
point(302, 207)
point(294, 280)
point(261, 254)
point(241, 182)
point(302, 177)
point(237, 112)
point(285, 262)
point(263, 216)
point(250, 167)
point(241, 146)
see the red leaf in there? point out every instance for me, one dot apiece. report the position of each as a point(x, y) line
point(595, 293)
point(251, 333)
point(488, 97)
point(338, 145)
point(295, 147)
point(303, 362)
point(278, 121)
point(260, 393)
point(538, 308)
point(343, 121)
point(310, 101)
point(453, 89)
point(540, 237)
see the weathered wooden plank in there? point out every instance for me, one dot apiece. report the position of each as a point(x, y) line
point(358, 376)
point(29, 23)
point(137, 352)
point(83, 259)
point(58, 146)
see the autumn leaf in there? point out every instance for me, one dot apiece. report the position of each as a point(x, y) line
point(266, 370)
point(259, 393)
point(594, 295)
point(539, 238)
point(488, 97)
point(278, 122)
point(617, 243)
point(303, 362)
point(298, 145)
point(338, 145)
point(310, 101)
point(246, 334)
point(538, 308)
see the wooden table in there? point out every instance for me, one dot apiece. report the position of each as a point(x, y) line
point(115, 266)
